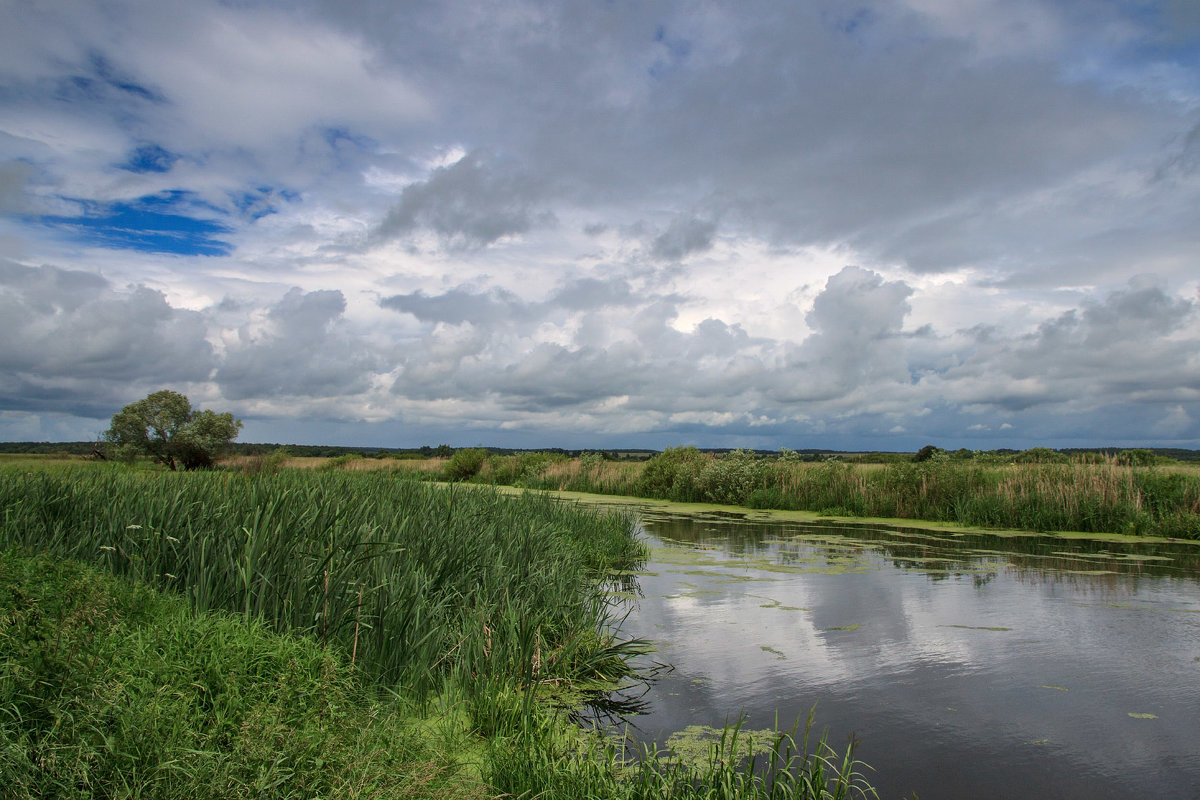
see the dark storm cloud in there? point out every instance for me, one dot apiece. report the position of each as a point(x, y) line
point(684, 236)
point(471, 203)
point(66, 324)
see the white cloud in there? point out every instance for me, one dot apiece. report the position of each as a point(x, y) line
point(613, 221)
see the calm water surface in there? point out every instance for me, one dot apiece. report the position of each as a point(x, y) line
point(967, 666)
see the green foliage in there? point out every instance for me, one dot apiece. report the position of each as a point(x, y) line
point(471, 603)
point(164, 427)
point(788, 456)
point(1040, 455)
point(590, 460)
point(269, 464)
point(1137, 458)
point(110, 689)
point(926, 453)
point(466, 463)
point(671, 474)
point(736, 765)
point(732, 478)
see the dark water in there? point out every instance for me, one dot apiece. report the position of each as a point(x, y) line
point(967, 666)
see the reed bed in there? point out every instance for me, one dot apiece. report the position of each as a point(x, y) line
point(1100, 495)
point(418, 584)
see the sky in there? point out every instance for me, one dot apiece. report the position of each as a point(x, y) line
point(875, 225)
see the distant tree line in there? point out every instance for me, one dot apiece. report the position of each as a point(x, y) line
point(638, 454)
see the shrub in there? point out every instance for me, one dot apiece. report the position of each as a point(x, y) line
point(733, 478)
point(1041, 455)
point(1136, 458)
point(671, 474)
point(466, 463)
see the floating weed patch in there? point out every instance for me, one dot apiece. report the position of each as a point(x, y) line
point(777, 653)
point(695, 743)
point(1055, 688)
point(1142, 715)
point(976, 627)
point(853, 627)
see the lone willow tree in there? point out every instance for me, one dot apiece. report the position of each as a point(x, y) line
point(164, 426)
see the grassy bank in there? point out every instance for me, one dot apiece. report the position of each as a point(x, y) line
point(480, 616)
point(111, 689)
point(1100, 495)
point(418, 585)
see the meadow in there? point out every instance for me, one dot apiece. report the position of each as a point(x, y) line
point(1038, 490)
point(283, 632)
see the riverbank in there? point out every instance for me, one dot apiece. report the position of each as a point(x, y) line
point(767, 515)
point(1080, 495)
point(476, 620)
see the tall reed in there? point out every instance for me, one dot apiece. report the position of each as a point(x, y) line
point(420, 584)
point(1100, 494)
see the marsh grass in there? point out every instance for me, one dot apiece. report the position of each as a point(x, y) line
point(111, 689)
point(420, 586)
point(1096, 494)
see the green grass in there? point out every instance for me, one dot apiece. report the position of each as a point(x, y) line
point(327, 611)
point(111, 689)
point(418, 585)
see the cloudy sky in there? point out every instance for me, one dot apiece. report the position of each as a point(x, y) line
point(973, 223)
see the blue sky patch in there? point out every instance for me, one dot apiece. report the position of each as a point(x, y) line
point(150, 158)
point(261, 201)
point(163, 223)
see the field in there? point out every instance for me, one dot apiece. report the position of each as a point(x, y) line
point(299, 633)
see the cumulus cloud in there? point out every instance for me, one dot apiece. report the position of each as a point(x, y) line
point(856, 341)
point(582, 218)
point(299, 348)
point(1138, 343)
point(67, 337)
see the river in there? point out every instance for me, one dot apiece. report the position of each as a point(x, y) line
point(966, 665)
